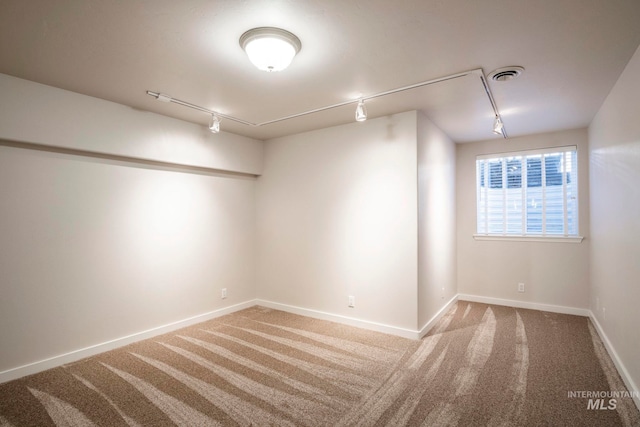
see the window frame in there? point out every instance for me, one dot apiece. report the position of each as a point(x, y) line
point(527, 237)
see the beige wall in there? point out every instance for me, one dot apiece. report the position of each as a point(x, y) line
point(337, 217)
point(39, 114)
point(553, 273)
point(614, 147)
point(436, 220)
point(96, 249)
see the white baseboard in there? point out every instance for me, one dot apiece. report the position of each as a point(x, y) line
point(622, 370)
point(82, 353)
point(345, 320)
point(52, 362)
point(73, 356)
point(524, 304)
point(427, 327)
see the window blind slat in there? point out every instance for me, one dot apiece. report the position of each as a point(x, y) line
point(528, 194)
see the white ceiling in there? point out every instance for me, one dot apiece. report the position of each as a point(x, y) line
point(573, 52)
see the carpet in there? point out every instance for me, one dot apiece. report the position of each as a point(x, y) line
point(480, 365)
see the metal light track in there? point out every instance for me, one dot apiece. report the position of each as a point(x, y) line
point(477, 71)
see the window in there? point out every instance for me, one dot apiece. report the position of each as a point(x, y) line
point(528, 194)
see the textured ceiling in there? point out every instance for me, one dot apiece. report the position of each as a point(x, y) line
point(573, 52)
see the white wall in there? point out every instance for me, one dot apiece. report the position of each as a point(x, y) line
point(35, 113)
point(96, 249)
point(614, 148)
point(436, 219)
point(553, 273)
point(338, 217)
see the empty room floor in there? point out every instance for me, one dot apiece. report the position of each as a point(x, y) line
point(479, 365)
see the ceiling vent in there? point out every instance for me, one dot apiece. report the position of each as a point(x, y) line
point(505, 74)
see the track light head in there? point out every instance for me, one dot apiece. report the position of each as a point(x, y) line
point(361, 111)
point(497, 126)
point(162, 97)
point(214, 125)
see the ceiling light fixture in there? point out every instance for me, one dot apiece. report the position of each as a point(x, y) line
point(270, 49)
point(164, 97)
point(214, 125)
point(498, 126)
point(361, 111)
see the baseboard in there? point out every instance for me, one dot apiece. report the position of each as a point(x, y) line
point(524, 304)
point(345, 320)
point(427, 327)
point(622, 370)
point(32, 368)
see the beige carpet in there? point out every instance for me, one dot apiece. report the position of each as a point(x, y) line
point(480, 365)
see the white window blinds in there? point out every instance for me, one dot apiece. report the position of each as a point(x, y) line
point(531, 193)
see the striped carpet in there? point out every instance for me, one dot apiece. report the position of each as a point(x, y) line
point(480, 365)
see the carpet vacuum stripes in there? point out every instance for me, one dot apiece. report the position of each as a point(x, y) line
point(480, 365)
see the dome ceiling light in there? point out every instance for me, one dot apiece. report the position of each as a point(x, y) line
point(270, 49)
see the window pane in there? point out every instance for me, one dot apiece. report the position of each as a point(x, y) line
point(554, 210)
point(514, 195)
point(481, 165)
point(554, 194)
point(534, 210)
point(571, 169)
point(495, 171)
point(534, 171)
point(494, 199)
point(514, 172)
point(494, 210)
point(528, 194)
point(552, 168)
point(534, 194)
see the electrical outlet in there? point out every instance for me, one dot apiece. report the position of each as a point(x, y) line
point(352, 301)
point(223, 293)
point(520, 287)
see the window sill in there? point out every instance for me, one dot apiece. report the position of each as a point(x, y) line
point(532, 238)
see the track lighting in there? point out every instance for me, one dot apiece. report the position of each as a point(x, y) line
point(497, 126)
point(214, 125)
point(361, 111)
point(163, 97)
point(270, 49)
